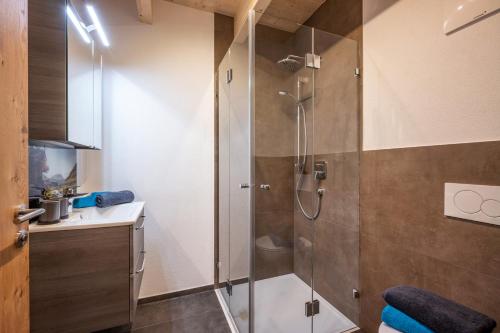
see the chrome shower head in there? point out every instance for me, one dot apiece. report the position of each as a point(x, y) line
point(291, 62)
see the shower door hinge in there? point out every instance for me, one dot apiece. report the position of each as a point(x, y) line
point(312, 308)
point(229, 288)
point(313, 61)
point(357, 72)
point(229, 75)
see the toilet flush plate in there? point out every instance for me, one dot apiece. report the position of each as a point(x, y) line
point(479, 203)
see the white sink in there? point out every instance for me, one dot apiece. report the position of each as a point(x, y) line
point(94, 217)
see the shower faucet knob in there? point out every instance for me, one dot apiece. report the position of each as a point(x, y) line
point(265, 187)
point(320, 170)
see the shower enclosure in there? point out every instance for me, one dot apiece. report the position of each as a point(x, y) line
point(288, 179)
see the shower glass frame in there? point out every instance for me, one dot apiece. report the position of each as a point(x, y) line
point(238, 128)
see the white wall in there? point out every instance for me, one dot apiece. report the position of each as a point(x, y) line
point(158, 136)
point(422, 87)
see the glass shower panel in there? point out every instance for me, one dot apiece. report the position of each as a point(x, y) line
point(224, 105)
point(240, 181)
point(283, 244)
point(336, 145)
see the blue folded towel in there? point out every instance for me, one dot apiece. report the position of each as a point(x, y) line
point(106, 199)
point(103, 199)
point(436, 312)
point(87, 201)
point(401, 322)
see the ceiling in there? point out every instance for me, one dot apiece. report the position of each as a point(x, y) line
point(280, 14)
point(226, 7)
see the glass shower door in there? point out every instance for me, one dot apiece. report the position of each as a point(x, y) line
point(235, 180)
point(240, 181)
point(336, 146)
point(306, 171)
point(224, 107)
point(284, 88)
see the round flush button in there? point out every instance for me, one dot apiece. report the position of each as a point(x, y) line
point(468, 201)
point(491, 207)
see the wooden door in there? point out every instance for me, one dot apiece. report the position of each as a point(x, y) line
point(14, 279)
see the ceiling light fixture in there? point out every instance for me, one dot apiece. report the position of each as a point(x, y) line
point(78, 24)
point(97, 25)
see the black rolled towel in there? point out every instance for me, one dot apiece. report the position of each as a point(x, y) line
point(106, 199)
point(438, 313)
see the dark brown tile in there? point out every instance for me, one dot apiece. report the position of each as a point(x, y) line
point(405, 237)
point(278, 173)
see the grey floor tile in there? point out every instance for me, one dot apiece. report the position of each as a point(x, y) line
point(209, 322)
point(200, 312)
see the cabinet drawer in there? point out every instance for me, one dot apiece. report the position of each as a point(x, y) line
point(137, 242)
point(136, 284)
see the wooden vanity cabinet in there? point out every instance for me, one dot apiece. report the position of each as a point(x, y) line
point(85, 280)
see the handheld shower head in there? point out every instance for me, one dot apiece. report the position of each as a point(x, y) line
point(286, 93)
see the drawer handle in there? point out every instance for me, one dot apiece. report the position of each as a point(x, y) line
point(141, 227)
point(139, 271)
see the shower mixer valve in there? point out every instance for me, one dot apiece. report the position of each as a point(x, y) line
point(320, 170)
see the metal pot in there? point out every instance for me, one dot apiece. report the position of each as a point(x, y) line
point(52, 211)
point(64, 203)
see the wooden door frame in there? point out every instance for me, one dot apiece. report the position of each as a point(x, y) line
point(14, 261)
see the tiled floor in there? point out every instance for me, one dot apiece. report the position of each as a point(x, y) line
point(195, 313)
point(200, 312)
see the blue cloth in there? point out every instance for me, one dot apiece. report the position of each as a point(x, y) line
point(87, 201)
point(401, 322)
point(438, 313)
point(106, 199)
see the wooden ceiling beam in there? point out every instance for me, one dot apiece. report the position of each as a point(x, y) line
point(145, 11)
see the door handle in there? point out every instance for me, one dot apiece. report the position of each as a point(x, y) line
point(26, 214)
point(265, 187)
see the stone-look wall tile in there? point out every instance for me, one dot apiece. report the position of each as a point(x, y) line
point(274, 213)
point(336, 268)
point(336, 109)
point(341, 199)
point(405, 237)
point(274, 114)
point(302, 250)
point(335, 234)
point(278, 173)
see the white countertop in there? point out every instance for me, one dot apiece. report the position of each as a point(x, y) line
point(94, 217)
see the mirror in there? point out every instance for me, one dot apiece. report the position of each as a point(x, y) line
point(80, 79)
